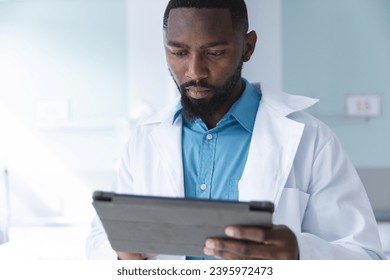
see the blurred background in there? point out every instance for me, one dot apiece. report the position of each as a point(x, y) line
point(76, 74)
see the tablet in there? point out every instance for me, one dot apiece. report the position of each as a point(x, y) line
point(172, 226)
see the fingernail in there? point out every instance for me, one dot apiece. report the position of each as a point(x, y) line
point(210, 244)
point(229, 231)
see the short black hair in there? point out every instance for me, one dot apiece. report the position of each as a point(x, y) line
point(237, 8)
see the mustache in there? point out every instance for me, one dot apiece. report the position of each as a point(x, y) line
point(200, 83)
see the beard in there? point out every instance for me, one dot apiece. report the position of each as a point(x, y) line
point(202, 108)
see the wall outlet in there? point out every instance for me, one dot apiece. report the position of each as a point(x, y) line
point(365, 106)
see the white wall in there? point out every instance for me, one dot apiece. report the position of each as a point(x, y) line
point(265, 17)
point(73, 54)
point(150, 85)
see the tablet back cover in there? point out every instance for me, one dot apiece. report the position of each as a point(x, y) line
point(172, 226)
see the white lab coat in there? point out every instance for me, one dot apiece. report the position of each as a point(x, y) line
point(294, 160)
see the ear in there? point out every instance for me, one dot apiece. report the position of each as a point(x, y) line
point(249, 45)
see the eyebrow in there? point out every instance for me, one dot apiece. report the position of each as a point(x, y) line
point(215, 44)
point(208, 45)
point(177, 44)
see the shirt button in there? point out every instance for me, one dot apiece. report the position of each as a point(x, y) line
point(209, 136)
point(203, 187)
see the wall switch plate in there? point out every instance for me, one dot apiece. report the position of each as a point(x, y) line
point(364, 105)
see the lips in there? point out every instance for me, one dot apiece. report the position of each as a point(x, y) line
point(198, 92)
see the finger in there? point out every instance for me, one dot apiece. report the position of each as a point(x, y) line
point(256, 234)
point(278, 242)
point(277, 235)
point(248, 250)
point(132, 256)
point(237, 249)
point(232, 256)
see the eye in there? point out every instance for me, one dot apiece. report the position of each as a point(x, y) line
point(179, 53)
point(215, 53)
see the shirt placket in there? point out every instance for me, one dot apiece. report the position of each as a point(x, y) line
point(207, 161)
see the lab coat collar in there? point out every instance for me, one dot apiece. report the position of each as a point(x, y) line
point(274, 143)
point(282, 103)
point(164, 115)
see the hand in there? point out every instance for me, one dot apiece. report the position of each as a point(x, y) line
point(251, 243)
point(133, 256)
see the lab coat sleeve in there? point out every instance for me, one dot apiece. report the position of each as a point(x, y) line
point(97, 245)
point(338, 221)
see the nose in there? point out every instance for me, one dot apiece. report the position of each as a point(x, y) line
point(196, 69)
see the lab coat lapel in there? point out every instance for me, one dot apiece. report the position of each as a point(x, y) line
point(166, 139)
point(273, 147)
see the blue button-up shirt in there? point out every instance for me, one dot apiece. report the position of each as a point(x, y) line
point(214, 160)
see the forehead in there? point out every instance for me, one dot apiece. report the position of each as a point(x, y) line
point(184, 23)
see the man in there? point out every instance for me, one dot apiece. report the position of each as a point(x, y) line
point(229, 140)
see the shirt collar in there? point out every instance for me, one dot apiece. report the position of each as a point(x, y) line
point(179, 109)
point(244, 110)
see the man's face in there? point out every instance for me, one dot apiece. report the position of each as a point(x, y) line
point(205, 57)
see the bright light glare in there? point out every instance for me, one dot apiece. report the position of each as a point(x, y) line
point(44, 182)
